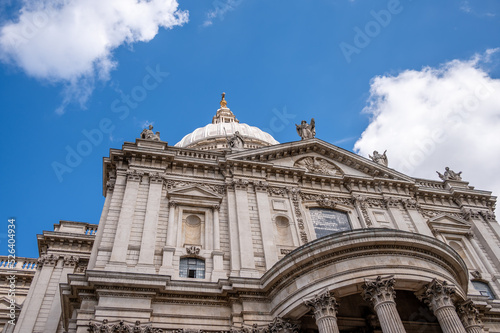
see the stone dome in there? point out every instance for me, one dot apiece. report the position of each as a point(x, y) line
point(224, 125)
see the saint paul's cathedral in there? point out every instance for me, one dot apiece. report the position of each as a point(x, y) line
point(231, 231)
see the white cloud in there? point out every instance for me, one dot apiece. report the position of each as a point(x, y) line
point(221, 7)
point(71, 41)
point(438, 117)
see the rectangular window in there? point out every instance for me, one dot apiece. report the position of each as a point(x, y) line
point(192, 268)
point(329, 221)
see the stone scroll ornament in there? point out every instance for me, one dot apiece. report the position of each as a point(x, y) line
point(305, 130)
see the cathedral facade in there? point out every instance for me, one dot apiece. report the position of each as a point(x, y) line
point(231, 231)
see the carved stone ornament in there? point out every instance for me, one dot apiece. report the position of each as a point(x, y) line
point(379, 290)
point(305, 130)
point(280, 325)
point(172, 184)
point(71, 261)
point(134, 175)
point(155, 178)
point(148, 134)
point(193, 250)
point(323, 305)
point(315, 164)
point(469, 315)
point(438, 294)
point(47, 260)
point(236, 142)
point(121, 327)
point(379, 158)
point(477, 275)
point(449, 175)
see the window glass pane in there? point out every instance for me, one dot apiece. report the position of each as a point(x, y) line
point(192, 268)
point(484, 289)
point(329, 221)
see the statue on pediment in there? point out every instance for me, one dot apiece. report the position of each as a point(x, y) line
point(148, 134)
point(236, 142)
point(450, 175)
point(305, 130)
point(379, 158)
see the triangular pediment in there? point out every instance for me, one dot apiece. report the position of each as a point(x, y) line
point(194, 191)
point(329, 159)
point(450, 224)
point(6, 302)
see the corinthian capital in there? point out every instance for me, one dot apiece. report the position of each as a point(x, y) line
point(323, 304)
point(379, 290)
point(438, 294)
point(468, 314)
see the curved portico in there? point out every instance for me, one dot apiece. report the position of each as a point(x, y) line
point(348, 264)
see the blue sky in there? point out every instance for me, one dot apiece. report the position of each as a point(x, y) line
point(279, 62)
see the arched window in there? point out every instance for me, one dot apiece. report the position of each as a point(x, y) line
point(192, 268)
point(484, 289)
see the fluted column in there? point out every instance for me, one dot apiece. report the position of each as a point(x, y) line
point(324, 306)
point(381, 294)
point(437, 295)
point(470, 317)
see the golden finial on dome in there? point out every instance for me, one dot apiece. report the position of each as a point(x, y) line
point(223, 102)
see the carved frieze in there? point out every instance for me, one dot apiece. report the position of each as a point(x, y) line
point(277, 191)
point(121, 327)
point(315, 164)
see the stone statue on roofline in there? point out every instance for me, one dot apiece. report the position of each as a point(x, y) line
point(148, 134)
point(236, 142)
point(449, 175)
point(379, 158)
point(305, 130)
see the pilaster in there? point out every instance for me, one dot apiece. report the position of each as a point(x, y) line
point(125, 220)
point(266, 226)
point(148, 242)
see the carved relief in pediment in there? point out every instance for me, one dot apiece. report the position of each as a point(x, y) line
point(316, 164)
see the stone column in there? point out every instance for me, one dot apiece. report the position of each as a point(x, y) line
point(324, 306)
point(381, 294)
point(437, 295)
point(470, 317)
